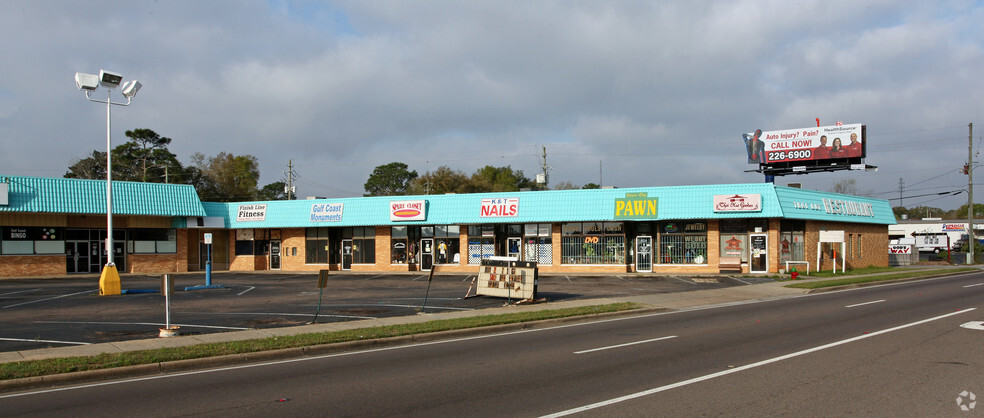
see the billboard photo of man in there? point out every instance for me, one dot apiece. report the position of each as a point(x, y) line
point(755, 147)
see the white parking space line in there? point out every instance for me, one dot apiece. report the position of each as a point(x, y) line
point(21, 291)
point(42, 341)
point(51, 298)
point(972, 285)
point(865, 303)
point(375, 277)
point(624, 345)
point(685, 281)
point(747, 367)
point(137, 323)
point(293, 314)
point(244, 291)
point(739, 280)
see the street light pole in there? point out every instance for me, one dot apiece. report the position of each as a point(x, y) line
point(109, 280)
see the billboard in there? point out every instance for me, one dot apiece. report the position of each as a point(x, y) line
point(841, 141)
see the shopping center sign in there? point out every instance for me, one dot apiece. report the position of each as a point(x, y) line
point(636, 206)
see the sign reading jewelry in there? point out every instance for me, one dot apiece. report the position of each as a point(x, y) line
point(251, 213)
point(737, 203)
point(408, 210)
point(326, 212)
point(636, 206)
point(500, 207)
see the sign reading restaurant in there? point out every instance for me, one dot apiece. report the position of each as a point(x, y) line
point(408, 210)
point(636, 206)
point(737, 203)
point(500, 207)
point(326, 212)
point(251, 213)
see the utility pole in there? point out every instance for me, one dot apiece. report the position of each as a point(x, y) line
point(901, 187)
point(544, 178)
point(289, 190)
point(970, 193)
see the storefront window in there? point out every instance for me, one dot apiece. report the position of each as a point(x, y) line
point(538, 243)
point(597, 243)
point(481, 243)
point(152, 241)
point(682, 242)
point(363, 244)
point(446, 244)
point(316, 246)
point(734, 238)
point(32, 240)
point(792, 242)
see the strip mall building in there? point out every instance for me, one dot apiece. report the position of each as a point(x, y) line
point(57, 226)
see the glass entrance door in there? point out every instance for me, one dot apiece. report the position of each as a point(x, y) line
point(758, 257)
point(644, 254)
point(77, 256)
point(426, 253)
point(275, 254)
point(346, 254)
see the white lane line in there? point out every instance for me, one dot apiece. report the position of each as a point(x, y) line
point(42, 341)
point(137, 323)
point(244, 291)
point(972, 285)
point(21, 291)
point(687, 282)
point(747, 367)
point(866, 303)
point(624, 345)
point(51, 298)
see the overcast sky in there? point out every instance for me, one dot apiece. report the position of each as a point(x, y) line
point(621, 93)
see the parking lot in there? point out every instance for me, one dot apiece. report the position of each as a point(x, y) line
point(40, 313)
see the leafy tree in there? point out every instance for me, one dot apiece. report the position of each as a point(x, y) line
point(391, 179)
point(566, 185)
point(225, 177)
point(144, 157)
point(91, 168)
point(498, 179)
point(848, 186)
point(978, 212)
point(274, 191)
point(441, 181)
point(590, 186)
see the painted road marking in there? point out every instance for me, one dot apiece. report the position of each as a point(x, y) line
point(293, 314)
point(975, 325)
point(42, 341)
point(244, 291)
point(972, 285)
point(866, 303)
point(20, 291)
point(56, 297)
point(624, 345)
point(685, 281)
point(746, 367)
point(137, 323)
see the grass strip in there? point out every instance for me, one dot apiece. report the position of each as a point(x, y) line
point(46, 367)
point(878, 278)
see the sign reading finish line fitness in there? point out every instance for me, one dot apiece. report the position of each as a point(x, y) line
point(251, 213)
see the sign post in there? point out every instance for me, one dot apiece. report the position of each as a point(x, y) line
point(322, 283)
point(430, 278)
point(207, 240)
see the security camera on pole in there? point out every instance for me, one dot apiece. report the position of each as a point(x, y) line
point(109, 281)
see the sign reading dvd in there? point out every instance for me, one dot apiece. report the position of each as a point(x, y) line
point(408, 210)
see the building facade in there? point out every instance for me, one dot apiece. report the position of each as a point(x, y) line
point(682, 229)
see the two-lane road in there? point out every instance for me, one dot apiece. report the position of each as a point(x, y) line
point(888, 350)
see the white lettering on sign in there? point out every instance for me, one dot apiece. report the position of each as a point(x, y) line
point(900, 249)
point(251, 213)
point(326, 212)
point(848, 207)
point(500, 207)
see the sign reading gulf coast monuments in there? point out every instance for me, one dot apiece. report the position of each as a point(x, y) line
point(636, 206)
point(326, 212)
point(251, 213)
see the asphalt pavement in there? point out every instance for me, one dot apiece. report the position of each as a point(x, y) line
point(751, 289)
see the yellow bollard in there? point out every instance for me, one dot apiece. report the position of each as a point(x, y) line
point(109, 282)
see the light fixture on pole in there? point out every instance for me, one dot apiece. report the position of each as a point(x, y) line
point(109, 281)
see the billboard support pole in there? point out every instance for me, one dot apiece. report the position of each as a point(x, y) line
point(970, 193)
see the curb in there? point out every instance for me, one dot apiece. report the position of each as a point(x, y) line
point(180, 366)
